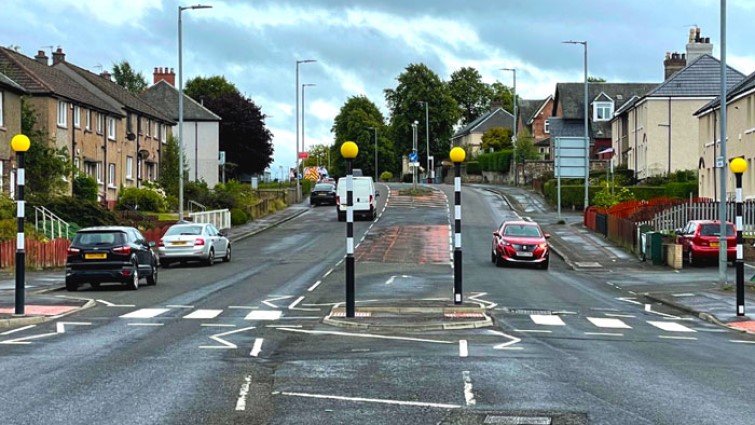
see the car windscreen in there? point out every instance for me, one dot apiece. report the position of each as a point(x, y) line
point(521, 230)
point(713, 229)
point(323, 187)
point(95, 239)
point(184, 230)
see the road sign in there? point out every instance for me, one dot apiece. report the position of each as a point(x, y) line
point(221, 158)
point(303, 155)
point(570, 157)
point(413, 157)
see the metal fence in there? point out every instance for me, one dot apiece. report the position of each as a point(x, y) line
point(221, 219)
point(677, 216)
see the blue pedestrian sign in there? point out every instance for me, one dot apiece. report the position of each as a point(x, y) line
point(413, 157)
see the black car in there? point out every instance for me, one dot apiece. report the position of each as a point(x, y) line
point(323, 194)
point(110, 254)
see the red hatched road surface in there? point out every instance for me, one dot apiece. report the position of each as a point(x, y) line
point(40, 310)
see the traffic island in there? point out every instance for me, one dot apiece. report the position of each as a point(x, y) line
point(411, 315)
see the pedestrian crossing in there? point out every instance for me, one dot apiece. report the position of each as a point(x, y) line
point(596, 325)
point(200, 314)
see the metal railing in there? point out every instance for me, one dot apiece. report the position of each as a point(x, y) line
point(193, 203)
point(49, 224)
point(677, 217)
point(219, 218)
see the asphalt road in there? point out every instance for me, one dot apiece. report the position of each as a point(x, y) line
point(244, 342)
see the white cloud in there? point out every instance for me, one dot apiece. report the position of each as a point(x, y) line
point(111, 12)
point(743, 64)
point(322, 110)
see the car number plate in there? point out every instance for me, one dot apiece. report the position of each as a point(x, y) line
point(179, 243)
point(524, 254)
point(714, 244)
point(95, 256)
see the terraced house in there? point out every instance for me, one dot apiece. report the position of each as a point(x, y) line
point(10, 125)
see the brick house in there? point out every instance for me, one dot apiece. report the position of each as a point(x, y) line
point(10, 125)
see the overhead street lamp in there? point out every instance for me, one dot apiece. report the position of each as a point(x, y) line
point(376, 152)
point(514, 138)
point(414, 149)
point(587, 136)
point(296, 163)
point(427, 138)
point(302, 116)
point(181, 109)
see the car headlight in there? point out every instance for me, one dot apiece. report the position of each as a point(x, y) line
point(543, 245)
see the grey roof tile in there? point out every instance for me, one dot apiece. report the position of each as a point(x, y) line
point(746, 84)
point(10, 84)
point(164, 96)
point(571, 95)
point(700, 78)
point(497, 118)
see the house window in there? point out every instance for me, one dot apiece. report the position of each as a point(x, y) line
point(138, 168)
point(163, 130)
point(155, 129)
point(111, 175)
point(77, 116)
point(150, 171)
point(129, 167)
point(1, 109)
point(546, 127)
point(602, 111)
point(89, 120)
point(99, 123)
point(99, 172)
point(90, 168)
point(146, 128)
point(111, 128)
point(62, 113)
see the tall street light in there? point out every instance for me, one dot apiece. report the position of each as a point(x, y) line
point(296, 163)
point(587, 136)
point(516, 121)
point(181, 109)
point(376, 152)
point(414, 149)
point(302, 116)
point(723, 204)
point(427, 138)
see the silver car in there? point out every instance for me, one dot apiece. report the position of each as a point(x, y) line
point(193, 242)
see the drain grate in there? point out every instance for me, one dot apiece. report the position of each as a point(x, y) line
point(518, 420)
point(524, 312)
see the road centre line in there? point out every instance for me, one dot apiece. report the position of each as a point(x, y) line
point(690, 338)
point(543, 331)
point(468, 394)
point(257, 347)
point(370, 400)
point(327, 273)
point(313, 287)
point(179, 306)
point(603, 334)
point(463, 348)
point(739, 341)
point(710, 330)
point(243, 393)
point(17, 330)
point(362, 335)
point(242, 307)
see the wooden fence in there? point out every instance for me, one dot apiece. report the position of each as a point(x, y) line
point(39, 255)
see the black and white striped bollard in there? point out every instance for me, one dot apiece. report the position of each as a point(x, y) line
point(20, 144)
point(738, 166)
point(349, 151)
point(457, 157)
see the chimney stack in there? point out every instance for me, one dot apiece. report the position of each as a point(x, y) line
point(58, 56)
point(164, 74)
point(41, 57)
point(673, 63)
point(698, 45)
point(106, 75)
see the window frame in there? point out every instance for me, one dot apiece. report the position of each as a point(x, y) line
point(88, 120)
point(111, 175)
point(62, 114)
point(547, 126)
point(163, 131)
point(76, 116)
point(129, 167)
point(605, 105)
point(111, 128)
point(99, 126)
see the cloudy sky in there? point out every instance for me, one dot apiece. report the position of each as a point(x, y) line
point(362, 46)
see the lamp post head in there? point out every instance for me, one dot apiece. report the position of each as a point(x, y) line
point(457, 155)
point(20, 143)
point(737, 165)
point(349, 150)
point(196, 6)
point(306, 61)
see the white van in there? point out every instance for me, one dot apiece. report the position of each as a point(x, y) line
point(364, 195)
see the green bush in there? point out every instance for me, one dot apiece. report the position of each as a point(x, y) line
point(85, 187)
point(232, 195)
point(142, 199)
point(83, 213)
point(497, 161)
point(238, 217)
point(474, 168)
point(679, 189)
point(7, 207)
point(643, 193)
point(386, 176)
point(198, 191)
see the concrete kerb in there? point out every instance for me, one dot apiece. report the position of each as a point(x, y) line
point(343, 322)
point(702, 315)
point(35, 320)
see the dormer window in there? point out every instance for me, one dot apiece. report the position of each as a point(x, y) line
point(602, 111)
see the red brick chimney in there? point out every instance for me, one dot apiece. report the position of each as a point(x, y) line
point(58, 56)
point(164, 74)
point(41, 57)
point(673, 63)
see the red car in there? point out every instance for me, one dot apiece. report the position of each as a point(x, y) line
point(520, 242)
point(700, 241)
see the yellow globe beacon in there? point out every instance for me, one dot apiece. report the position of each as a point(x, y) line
point(458, 154)
point(20, 143)
point(738, 165)
point(349, 150)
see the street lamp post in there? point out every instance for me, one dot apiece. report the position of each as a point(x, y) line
point(414, 149)
point(20, 144)
point(457, 157)
point(427, 139)
point(723, 204)
point(181, 108)
point(349, 151)
point(296, 163)
point(587, 136)
point(514, 138)
point(738, 166)
point(302, 116)
point(376, 152)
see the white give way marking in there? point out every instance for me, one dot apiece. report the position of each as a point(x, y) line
point(60, 328)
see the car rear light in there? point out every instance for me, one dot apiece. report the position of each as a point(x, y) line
point(161, 243)
point(123, 250)
point(338, 200)
point(370, 199)
point(198, 242)
point(73, 251)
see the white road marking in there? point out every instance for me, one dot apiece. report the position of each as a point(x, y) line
point(242, 307)
point(629, 300)
point(370, 400)
point(739, 341)
point(145, 324)
point(293, 305)
point(688, 294)
point(109, 304)
point(546, 319)
point(283, 297)
point(468, 394)
point(264, 315)
point(256, 348)
point(691, 338)
point(60, 327)
point(203, 314)
point(243, 392)
point(145, 313)
point(360, 335)
point(18, 330)
point(313, 287)
point(218, 325)
point(710, 330)
point(179, 306)
point(225, 344)
point(542, 331)
point(603, 334)
point(476, 297)
point(393, 278)
point(602, 322)
point(649, 309)
point(463, 348)
point(670, 326)
point(631, 316)
point(283, 326)
point(327, 273)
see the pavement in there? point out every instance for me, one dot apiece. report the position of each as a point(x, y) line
point(581, 249)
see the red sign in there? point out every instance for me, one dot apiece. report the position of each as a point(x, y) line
point(303, 155)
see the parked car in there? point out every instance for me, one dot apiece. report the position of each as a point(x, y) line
point(700, 241)
point(323, 194)
point(185, 242)
point(520, 242)
point(110, 254)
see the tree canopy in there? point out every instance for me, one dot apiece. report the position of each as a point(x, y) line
point(504, 95)
point(472, 95)
point(356, 122)
point(45, 166)
point(209, 87)
point(496, 138)
point(128, 78)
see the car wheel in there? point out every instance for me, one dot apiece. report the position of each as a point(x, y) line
point(134, 283)
point(71, 286)
point(499, 261)
point(227, 257)
point(210, 258)
point(544, 264)
point(152, 278)
point(492, 256)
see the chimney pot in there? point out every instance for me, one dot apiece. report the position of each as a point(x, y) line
point(58, 56)
point(164, 74)
point(41, 57)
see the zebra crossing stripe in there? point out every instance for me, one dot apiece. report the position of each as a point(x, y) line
point(547, 319)
point(603, 322)
point(203, 314)
point(145, 313)
point(670, 326)
point(263, 315)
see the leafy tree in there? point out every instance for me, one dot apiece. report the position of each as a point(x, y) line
point(503, 94)
point(168, 177)
point(525, 147)
point(607, 197)
point(46, 167)
point(355, 122)
point(318, 155)
point(85, 188)
point(496, 138)
point(128, 78)
point(243, 135)
point(592, 79)
point(472, 95)
point(419, 84)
